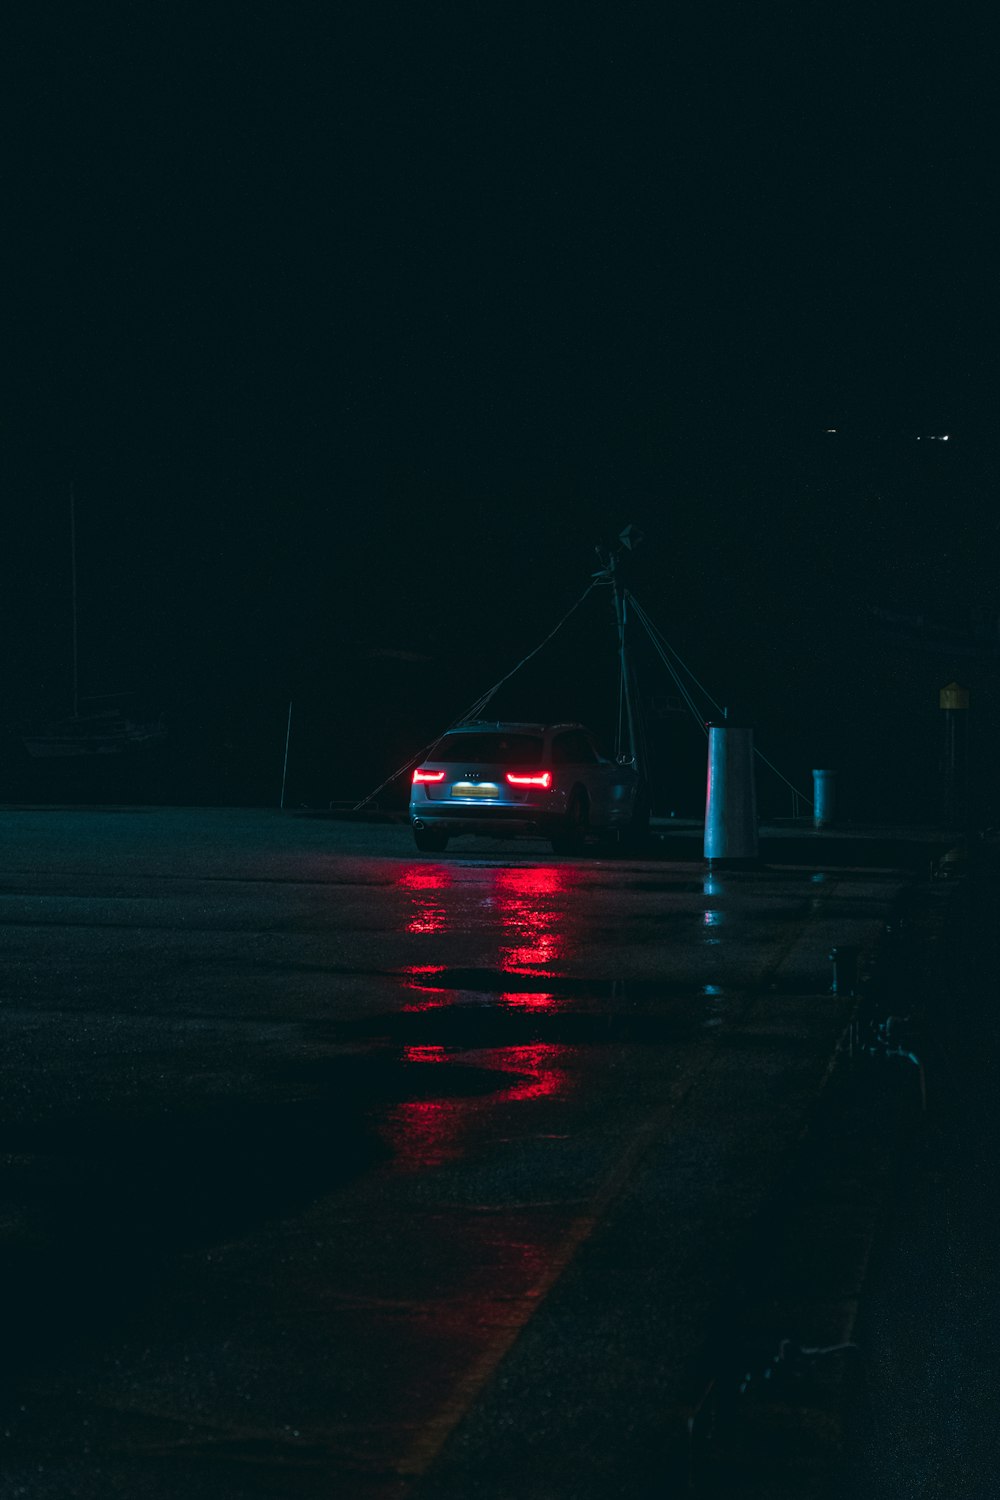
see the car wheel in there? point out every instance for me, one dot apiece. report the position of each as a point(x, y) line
point(569, 839)
point(430, 840)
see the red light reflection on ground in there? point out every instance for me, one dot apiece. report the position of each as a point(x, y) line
point(421, 977)
point(425, 878)
point(525, 909)
point(534, 956)
point(548, 1080)
point(422, 882)
point(431, 1132)
point(532, 880)
point(425, 1133)
point(523, 904)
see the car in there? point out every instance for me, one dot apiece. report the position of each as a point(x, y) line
point(552, 781)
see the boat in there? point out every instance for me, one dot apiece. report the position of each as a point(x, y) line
point(110, 732)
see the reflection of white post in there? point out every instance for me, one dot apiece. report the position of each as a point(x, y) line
point(731, 799)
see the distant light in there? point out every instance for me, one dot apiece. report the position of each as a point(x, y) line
point(831, 429)
point(944, 438)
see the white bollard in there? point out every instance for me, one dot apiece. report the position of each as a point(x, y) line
point(824, 798)
point(731, 798)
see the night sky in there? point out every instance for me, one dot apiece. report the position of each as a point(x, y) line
point(357, 327)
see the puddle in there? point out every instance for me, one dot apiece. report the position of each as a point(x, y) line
point(474, 1028)
point(502, 985)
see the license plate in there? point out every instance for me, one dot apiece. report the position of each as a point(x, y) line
point(476, 790)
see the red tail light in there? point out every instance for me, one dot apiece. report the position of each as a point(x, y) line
point(419, 776)
point(540, 778)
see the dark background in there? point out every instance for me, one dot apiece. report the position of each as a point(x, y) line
point(357, 328)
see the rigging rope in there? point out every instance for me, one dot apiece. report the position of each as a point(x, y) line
point(662, 646)
point(476, 708)
point(659, 639)
point(663, 649)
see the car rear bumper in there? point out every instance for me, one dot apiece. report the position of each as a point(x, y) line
point(476, 818)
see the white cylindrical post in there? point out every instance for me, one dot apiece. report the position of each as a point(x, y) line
point(731, 799)
point(824, 798)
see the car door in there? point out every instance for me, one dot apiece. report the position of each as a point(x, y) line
point(576, 757)
point(618, 782)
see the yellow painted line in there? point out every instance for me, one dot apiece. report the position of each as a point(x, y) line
point(774, 964)
point(436, 1432)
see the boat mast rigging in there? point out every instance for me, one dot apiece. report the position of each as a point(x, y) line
point(608, 574)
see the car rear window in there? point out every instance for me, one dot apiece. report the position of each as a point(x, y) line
point(490, 749)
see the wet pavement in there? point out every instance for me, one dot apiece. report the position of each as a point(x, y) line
point(331, 1168)
point(923, 1421)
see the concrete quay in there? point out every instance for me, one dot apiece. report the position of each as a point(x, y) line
point(328, 1166)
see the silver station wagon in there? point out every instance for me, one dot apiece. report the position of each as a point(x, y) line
point(543, 780)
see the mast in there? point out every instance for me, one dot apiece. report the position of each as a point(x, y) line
point(629, 539)
point(626, 687)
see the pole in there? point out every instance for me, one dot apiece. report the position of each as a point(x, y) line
point(954, 700)
point(72, 549)
point(623, 659)
point(284, 769)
